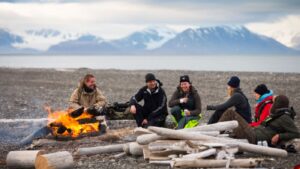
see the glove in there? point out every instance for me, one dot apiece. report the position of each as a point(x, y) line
point(210, 107)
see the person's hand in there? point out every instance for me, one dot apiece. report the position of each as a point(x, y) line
point(275, 139)
point(145, 122)
point(187, 112)
point(183, 100)
point(210, 107)
point(133, 109)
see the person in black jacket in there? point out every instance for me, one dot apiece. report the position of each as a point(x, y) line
point(237, 100)
point(154, 110)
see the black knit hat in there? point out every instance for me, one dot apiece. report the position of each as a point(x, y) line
point(234, 82)
point(261, 89)
point(184, 78)
point(149, 77)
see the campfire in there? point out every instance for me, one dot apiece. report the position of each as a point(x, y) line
point(72, 123)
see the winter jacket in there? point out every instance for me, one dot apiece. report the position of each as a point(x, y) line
point(81, 98)
point(155, 102)
point(237, 100)
point(282, 124)
point(193, 97)
point(262, 110)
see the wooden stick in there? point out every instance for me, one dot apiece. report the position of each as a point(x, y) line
point(22, 159)
point(176, 134)
point(202, 154)
point(59, 160)
point(186, 163)
point(133, 149)
point(220, 126)
point(100, 149)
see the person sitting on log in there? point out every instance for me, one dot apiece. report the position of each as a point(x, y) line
point(264, 101)
point(237, 99)
point(154, 110)
point(88, 96)
point(278, 127)
point(185, 104)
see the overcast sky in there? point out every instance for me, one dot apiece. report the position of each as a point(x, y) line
point(116, 18)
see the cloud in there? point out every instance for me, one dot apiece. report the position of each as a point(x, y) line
point(285, 30)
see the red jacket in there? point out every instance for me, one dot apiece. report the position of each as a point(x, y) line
point(261, 115)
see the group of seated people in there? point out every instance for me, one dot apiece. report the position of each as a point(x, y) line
point(273, 120)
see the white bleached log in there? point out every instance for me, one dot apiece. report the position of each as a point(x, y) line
point(176, 134)
point(58, 160)
point(202, 154)
point(133, 149)
point(100, 149)
point(22, 159)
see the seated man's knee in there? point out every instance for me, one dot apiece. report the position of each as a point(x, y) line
point(175, 110)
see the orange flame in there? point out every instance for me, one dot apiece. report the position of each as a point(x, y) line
point(74, 128)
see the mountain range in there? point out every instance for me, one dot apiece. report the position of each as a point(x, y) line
point(217, 40)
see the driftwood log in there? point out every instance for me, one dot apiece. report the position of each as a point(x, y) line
point(100, 149)
point(22, 159)
point(240, 163)
point(133, 149)
point(176, 134)
point(220, 126)
point(59, 160)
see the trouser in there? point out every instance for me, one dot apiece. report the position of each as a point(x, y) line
point(215, 117)
point(244, 130)
point(142, 114)
point(181, 120)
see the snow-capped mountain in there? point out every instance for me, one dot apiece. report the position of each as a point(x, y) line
point(147, 39)
point(222, 40)
point(85, 44)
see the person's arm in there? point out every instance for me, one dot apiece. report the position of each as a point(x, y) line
point(232, 101)
point(291, 130)
point(137, 97)
point(100, 99)
point(197, 110)
point(160, 108)
point(174, 99)
point(265, 113)
point(74, 100)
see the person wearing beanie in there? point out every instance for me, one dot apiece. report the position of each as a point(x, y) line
point(264, 101)
point(278, 128)
point(185, 104)
point(154, 110)
point(237, 99)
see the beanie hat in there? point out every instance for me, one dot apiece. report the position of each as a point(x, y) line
point(149, 77)
point(261, 89)
point(234, 82)
point(184, 78)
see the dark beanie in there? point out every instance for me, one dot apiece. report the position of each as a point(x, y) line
point(234, 82)
point(184, 78)
point(149, 77)
point(261, 89)
point(280, 102)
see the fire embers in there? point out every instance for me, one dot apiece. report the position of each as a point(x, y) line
point(74, 123)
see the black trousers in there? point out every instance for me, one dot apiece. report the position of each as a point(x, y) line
point(216, 116)
point(142, 113)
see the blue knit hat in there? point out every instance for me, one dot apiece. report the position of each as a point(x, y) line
point(234, 82)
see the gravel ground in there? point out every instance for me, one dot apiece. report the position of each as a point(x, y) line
point(25, 92)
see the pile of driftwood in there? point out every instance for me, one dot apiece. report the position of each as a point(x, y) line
point(198, 147)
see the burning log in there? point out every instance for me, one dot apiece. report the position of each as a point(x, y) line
point(100, 149)
point(22, 159)
point(59, 160)
point(190, 163)
point(176, 134)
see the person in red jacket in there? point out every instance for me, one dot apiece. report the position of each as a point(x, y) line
point(264, 101)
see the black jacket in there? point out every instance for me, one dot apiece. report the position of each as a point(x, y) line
point(193, 94)
point(239, 101)
point(155, 103)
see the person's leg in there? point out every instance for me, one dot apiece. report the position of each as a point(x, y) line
point(156, 122)
point(176, 112)
point(244, 130)
point(139, 115)
point(215, 117)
